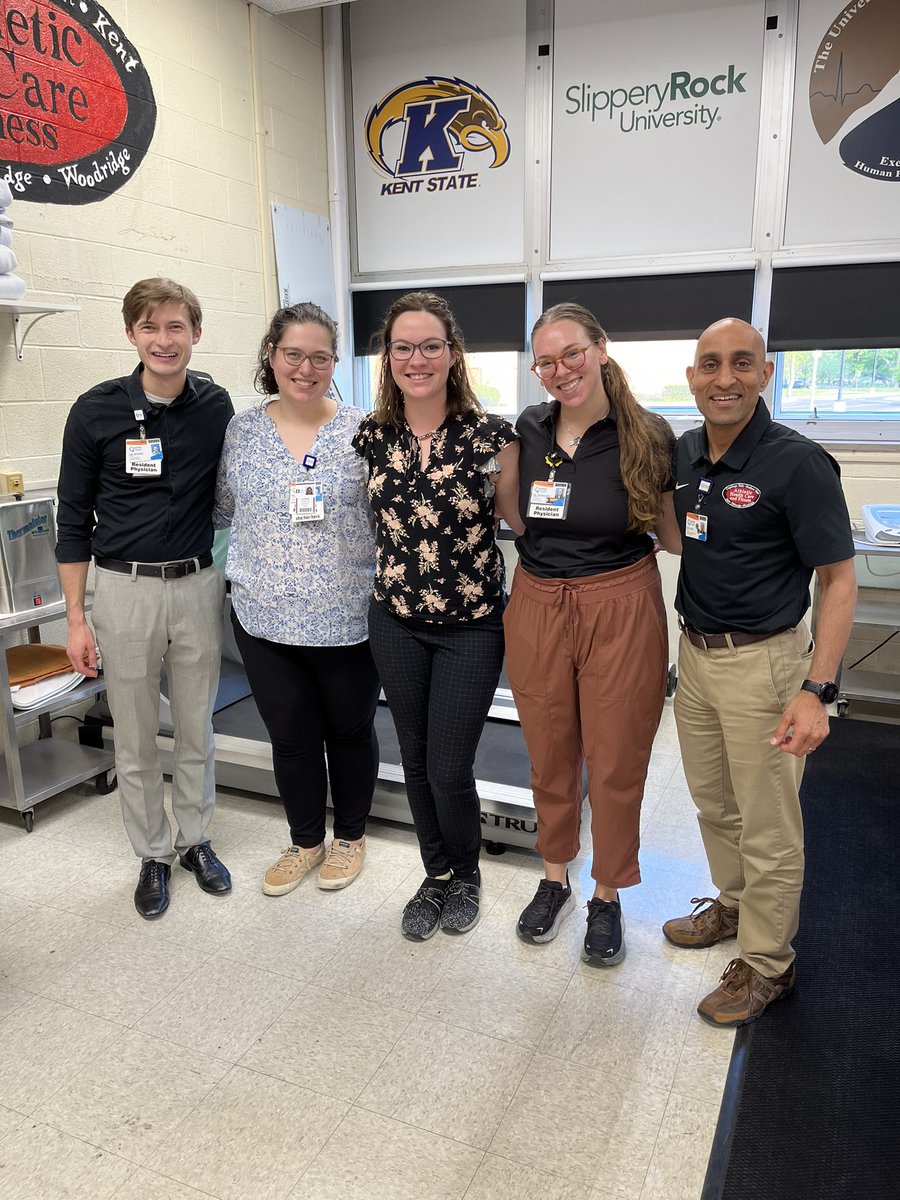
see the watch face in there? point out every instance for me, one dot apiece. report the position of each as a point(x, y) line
point(829, 693)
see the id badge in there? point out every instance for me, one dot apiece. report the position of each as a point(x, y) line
point(306, 502)
point(695, 525)
point(143, 456)
point(549, 499)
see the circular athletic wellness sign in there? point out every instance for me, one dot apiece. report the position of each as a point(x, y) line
point(851, 81)
point(77, 112)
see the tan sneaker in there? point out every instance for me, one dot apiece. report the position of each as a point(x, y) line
point(294, 863)
point(343, 863)
point(704, 926)
point(743, 995)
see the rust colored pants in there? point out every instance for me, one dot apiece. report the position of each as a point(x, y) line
point(587, 663)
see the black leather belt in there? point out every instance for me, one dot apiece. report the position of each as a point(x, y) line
point(167, 570)
point(719, 641)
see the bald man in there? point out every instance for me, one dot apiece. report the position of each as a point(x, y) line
point(760, 509)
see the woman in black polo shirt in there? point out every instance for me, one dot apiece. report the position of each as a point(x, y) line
point(439, 466)
point(586, 644)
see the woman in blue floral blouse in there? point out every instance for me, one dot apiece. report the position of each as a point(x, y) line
point(301, 563)
point(440, 471)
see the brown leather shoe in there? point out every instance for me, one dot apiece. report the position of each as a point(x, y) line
point(704, 927)
point(743, 994)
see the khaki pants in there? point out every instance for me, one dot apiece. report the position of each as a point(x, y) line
point(746, 791)
point(587, 664)
point(141, 623)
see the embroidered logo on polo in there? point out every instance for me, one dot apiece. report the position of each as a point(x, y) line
point(741, 495)
point(855, 68)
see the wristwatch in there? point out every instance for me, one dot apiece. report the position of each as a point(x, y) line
point(827, 692)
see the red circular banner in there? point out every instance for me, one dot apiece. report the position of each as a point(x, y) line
point(77, 112)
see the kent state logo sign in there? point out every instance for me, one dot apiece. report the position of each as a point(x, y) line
point(857, 61)
point(422, 134)
point(77, 112)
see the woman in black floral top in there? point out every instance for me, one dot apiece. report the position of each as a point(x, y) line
point(440, 472)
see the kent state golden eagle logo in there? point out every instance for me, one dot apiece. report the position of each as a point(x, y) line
point(437, 121)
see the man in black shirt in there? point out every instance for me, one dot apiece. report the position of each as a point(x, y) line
point(760, 508)
point(136, 488)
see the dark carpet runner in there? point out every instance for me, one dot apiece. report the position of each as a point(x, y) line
point(811, 1110)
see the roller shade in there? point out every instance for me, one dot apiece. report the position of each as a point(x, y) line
point(658, 307)
point(491, 316)
point(838, 307)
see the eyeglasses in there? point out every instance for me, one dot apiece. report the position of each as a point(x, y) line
point(319, 361)
point(432, 348)
point(546, 368)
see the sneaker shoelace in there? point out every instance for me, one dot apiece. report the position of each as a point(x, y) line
point(545, 901)
point(339, 856)
point(602, 917)
point(735, 976)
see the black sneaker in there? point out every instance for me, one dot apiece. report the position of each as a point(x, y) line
point(604, 945)
point(422, 914)
point(541, 920)
point(461, 905)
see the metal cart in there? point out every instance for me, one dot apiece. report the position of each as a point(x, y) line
point(35, 772)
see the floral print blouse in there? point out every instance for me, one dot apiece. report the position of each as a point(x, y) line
point(303, 584)
point(436, 557)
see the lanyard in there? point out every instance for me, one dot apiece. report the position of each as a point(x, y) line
point(704, 487)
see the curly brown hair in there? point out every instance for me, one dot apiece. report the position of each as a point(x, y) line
point(461, 396)
point(646, 439)
point(306, 313)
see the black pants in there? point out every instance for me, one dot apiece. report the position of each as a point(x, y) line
point(439, 681)
point(317, 702)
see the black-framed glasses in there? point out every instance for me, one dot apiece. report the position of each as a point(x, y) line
point(546, 368)
point(319, 360)
point(430, 348)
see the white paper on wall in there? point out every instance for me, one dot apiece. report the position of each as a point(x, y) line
point(655, 126)
point(844, 172)
point(438, 133)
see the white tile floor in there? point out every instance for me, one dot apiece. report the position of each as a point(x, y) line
point(250, 1048)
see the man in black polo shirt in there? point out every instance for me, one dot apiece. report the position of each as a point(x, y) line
point(136, 488)
point(760, 508)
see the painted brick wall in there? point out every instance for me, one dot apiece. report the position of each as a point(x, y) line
point(197, 209)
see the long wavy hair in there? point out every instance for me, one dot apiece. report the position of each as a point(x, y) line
point(306, 313)
point(645, 438)
point(461, 396)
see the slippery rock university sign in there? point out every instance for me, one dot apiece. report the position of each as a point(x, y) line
point(77, 112)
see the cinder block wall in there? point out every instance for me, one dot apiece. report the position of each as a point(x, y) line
point(240, 126)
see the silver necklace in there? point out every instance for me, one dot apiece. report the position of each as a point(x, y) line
point(575, 439)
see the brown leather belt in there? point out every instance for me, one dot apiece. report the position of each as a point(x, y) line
point(167, 570)
point(719, 641)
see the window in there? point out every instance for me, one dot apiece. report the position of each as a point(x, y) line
point(494, 376)
point(838, 385)
point(656, 371)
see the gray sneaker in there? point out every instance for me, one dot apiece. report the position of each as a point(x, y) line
point(422, 914)
point(461, 907)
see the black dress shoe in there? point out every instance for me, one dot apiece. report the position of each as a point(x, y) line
point(151, 896)
point(212, 875)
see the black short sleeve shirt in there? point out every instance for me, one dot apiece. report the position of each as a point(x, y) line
point(775, 512)
point(436, 556)
point(594, 537)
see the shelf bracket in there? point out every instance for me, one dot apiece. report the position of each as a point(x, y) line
point(21, 331)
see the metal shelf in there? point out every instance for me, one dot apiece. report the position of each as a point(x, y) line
point(51, 765)
point(24, 308)
point(81, 691)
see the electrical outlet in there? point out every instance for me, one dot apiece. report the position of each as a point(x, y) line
point(13, 481)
